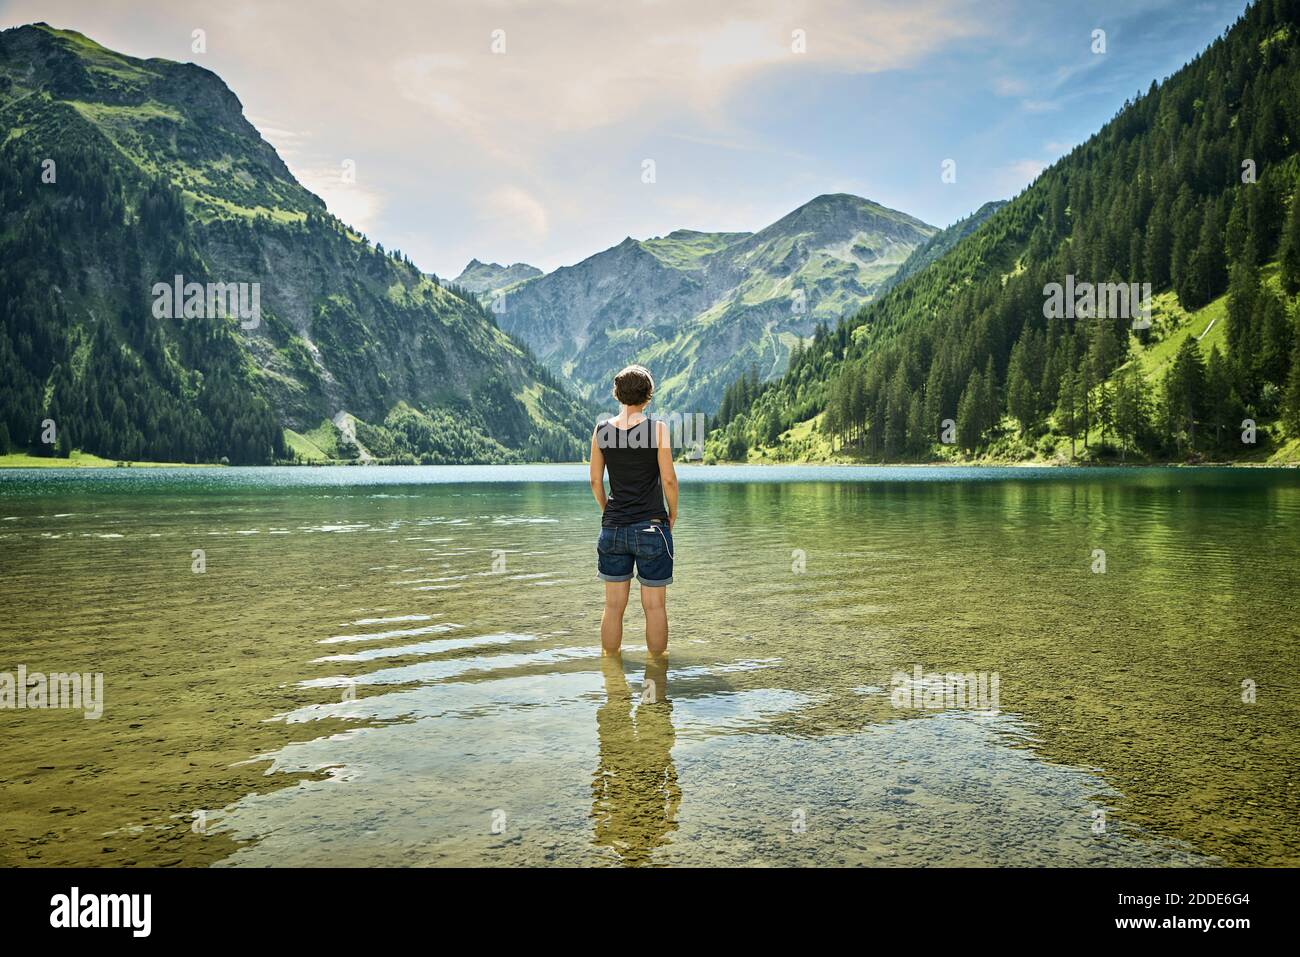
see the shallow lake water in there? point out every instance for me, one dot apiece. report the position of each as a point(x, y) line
point(401, 666)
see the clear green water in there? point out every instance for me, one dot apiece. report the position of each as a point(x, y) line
point(351, 682)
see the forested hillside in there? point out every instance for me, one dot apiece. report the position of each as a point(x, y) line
point(938, 245)
point(1190, 188)
point(117, 174)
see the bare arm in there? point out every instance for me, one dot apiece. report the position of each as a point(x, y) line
point(667, 474)
point(597, 472)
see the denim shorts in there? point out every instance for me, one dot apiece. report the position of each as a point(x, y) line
point(647, 545)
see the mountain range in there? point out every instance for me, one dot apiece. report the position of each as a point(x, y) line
point(701, 308)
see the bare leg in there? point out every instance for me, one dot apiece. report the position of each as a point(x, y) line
point(656, 619)
point(611, 619)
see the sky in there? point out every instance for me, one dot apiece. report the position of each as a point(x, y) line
point(544, 132)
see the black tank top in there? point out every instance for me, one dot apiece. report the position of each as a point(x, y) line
point(632, 460)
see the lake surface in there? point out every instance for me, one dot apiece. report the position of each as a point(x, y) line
point(400, 666)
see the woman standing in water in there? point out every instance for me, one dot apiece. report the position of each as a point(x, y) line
point(636, 528)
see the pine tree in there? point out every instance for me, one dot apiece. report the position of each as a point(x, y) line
point(1290, 253)
point(857, 405)
point(1221, 407)
point(1291, 397)
point(1022, 397)
point(1184, 394)
point(1264, 217)
point(969, 413)
point(1105, 410)
point(990, 401)
point(1209, 266)
point(1159, 245)
point(1083, 402)
point(918, 438)
point(1183, 272)
point(1238, 231)
point(1068, 418)
point(1103, 349)
point(1243, 292)
point(1132, 411)
point(1276, 335)
point(897, 404)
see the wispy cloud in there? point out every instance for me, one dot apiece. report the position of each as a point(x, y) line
point(1023, 172)
point(514, 131)
point(739, 146)
point(337, 186)
point(510, 208)
point(1010, 86)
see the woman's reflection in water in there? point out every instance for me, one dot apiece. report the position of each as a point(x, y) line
point(634, 790)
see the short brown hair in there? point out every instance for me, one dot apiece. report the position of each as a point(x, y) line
point(634, 385)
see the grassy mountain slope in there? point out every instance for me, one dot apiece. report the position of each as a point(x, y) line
point(700, 307)
point(1190, 188)
point(154, 172)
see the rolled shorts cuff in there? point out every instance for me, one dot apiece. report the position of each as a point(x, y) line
point(660, 583)
point(614, 578)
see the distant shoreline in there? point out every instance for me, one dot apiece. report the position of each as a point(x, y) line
point(85, 461)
